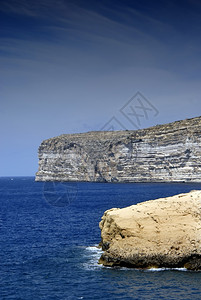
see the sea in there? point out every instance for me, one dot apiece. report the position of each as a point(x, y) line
point(49, 233)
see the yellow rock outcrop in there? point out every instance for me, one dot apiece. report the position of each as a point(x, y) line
point(158, 233)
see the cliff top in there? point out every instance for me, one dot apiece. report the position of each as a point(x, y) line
point(157, 129)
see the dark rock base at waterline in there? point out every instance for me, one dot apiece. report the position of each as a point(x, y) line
point(192, 262)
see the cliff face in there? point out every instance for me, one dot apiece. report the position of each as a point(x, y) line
point(159, 233)
point(165, 153)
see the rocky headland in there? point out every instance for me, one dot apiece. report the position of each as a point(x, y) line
point(163, 153)
point(162, 233)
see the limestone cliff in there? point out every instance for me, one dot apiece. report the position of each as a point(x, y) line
point(159, 233)
point(165, 153)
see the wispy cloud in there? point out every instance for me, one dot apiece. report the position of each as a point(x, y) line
point(65, 14)
point(31, 8)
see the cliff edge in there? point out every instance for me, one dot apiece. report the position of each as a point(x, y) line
point(163, 153)
point(158, 233)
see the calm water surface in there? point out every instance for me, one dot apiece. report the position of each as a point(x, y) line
point(48, 236)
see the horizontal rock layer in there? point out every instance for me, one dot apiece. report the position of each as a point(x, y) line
point(162, 153)
point(159, 233)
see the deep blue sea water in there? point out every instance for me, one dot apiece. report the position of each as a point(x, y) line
point(48, 238)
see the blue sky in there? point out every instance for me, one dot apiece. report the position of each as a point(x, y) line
point(70, 66)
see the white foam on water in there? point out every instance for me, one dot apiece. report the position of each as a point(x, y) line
point(92, 255)
point(94, 249)
point(165, 269)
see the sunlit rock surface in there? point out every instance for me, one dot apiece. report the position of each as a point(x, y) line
point(159, 233)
